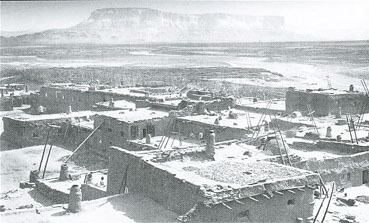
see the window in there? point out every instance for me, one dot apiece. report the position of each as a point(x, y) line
point(46, 94)
point(348, 175)
point(121, 133)
point(144, 133)
point(34, 135)
point(110, 130)
point(111, 143)
point(243, 214)
point(100, 141)
point(291, 202)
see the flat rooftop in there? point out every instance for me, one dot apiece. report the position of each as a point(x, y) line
point(276, 104)
point(232, 168)
point(28, 117)
point(241, 122)
point(323, 122)
point(120, 104)
point(135, 115)
point(328, 91)
point(64, 186)
point(173, 142)
point(119, 208)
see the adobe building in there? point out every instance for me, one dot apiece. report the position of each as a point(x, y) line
point(27, 130)
point(225, 189)
point(117, 127)
point(58, 97)
point(325, 101)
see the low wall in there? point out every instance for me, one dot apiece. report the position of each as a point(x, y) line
point(56, 196)
point(91, 192)
point(349, 148)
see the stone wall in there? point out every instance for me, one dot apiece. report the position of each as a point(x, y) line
point(347, 148)
point(57, 100)
point(34, 132)
point(324, 104)
point(161, 186)
point(91, 192)
point(345, 171)
point(116, 133)
point(279, 208)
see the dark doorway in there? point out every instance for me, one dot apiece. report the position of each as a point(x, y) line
point(365, 176)
point(144, 133)
point(151, 130)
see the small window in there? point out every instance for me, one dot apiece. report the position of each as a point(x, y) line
point(243, 214)
point(121, 133)
point(35, 135)
point(291, 202)
point(63, 97)
point(348, 175)
point(100, 141)
point(45, 94)
point(110, 130)
point(111, 143)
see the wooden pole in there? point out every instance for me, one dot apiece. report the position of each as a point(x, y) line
point(43, 153)
point(329, 202)
point(84, 141)
point(47, 161)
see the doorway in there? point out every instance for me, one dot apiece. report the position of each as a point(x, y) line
point(365, 176)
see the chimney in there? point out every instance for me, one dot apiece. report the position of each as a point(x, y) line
point(69, 109)
point(210, 150)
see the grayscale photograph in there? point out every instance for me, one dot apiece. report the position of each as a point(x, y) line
point(184, 111)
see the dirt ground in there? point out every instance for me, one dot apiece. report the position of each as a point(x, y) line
point(338, 210)
point(16, 164)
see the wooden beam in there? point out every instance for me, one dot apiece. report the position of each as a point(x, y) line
point(300, 189)
point(266, 196)
point(240, 202)
point(251, 198)
point(80, 145)
point(278, 192)
point(291, 191)
point(226, 206)
point(310, 187)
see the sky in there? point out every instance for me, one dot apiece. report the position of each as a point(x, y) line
point(342, 19)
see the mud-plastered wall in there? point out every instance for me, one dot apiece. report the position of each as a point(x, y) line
point(143, 177)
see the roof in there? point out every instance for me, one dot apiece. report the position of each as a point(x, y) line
point(122, 104)
point(135, 115)
point(240, 122)
point(329, 91)
point(28, 117)
point(231, 169)
point(128, 208)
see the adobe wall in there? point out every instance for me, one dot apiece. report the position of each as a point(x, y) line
point(324, 104)
point(34, 132)
point(58, 99)
point(345, 171)
point(348, 148)
point(275, 209)
point(116, 133)
point(91, 192)
point(161, 186)
point(187, 128)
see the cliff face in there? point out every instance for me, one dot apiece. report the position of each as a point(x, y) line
point(140, 25)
